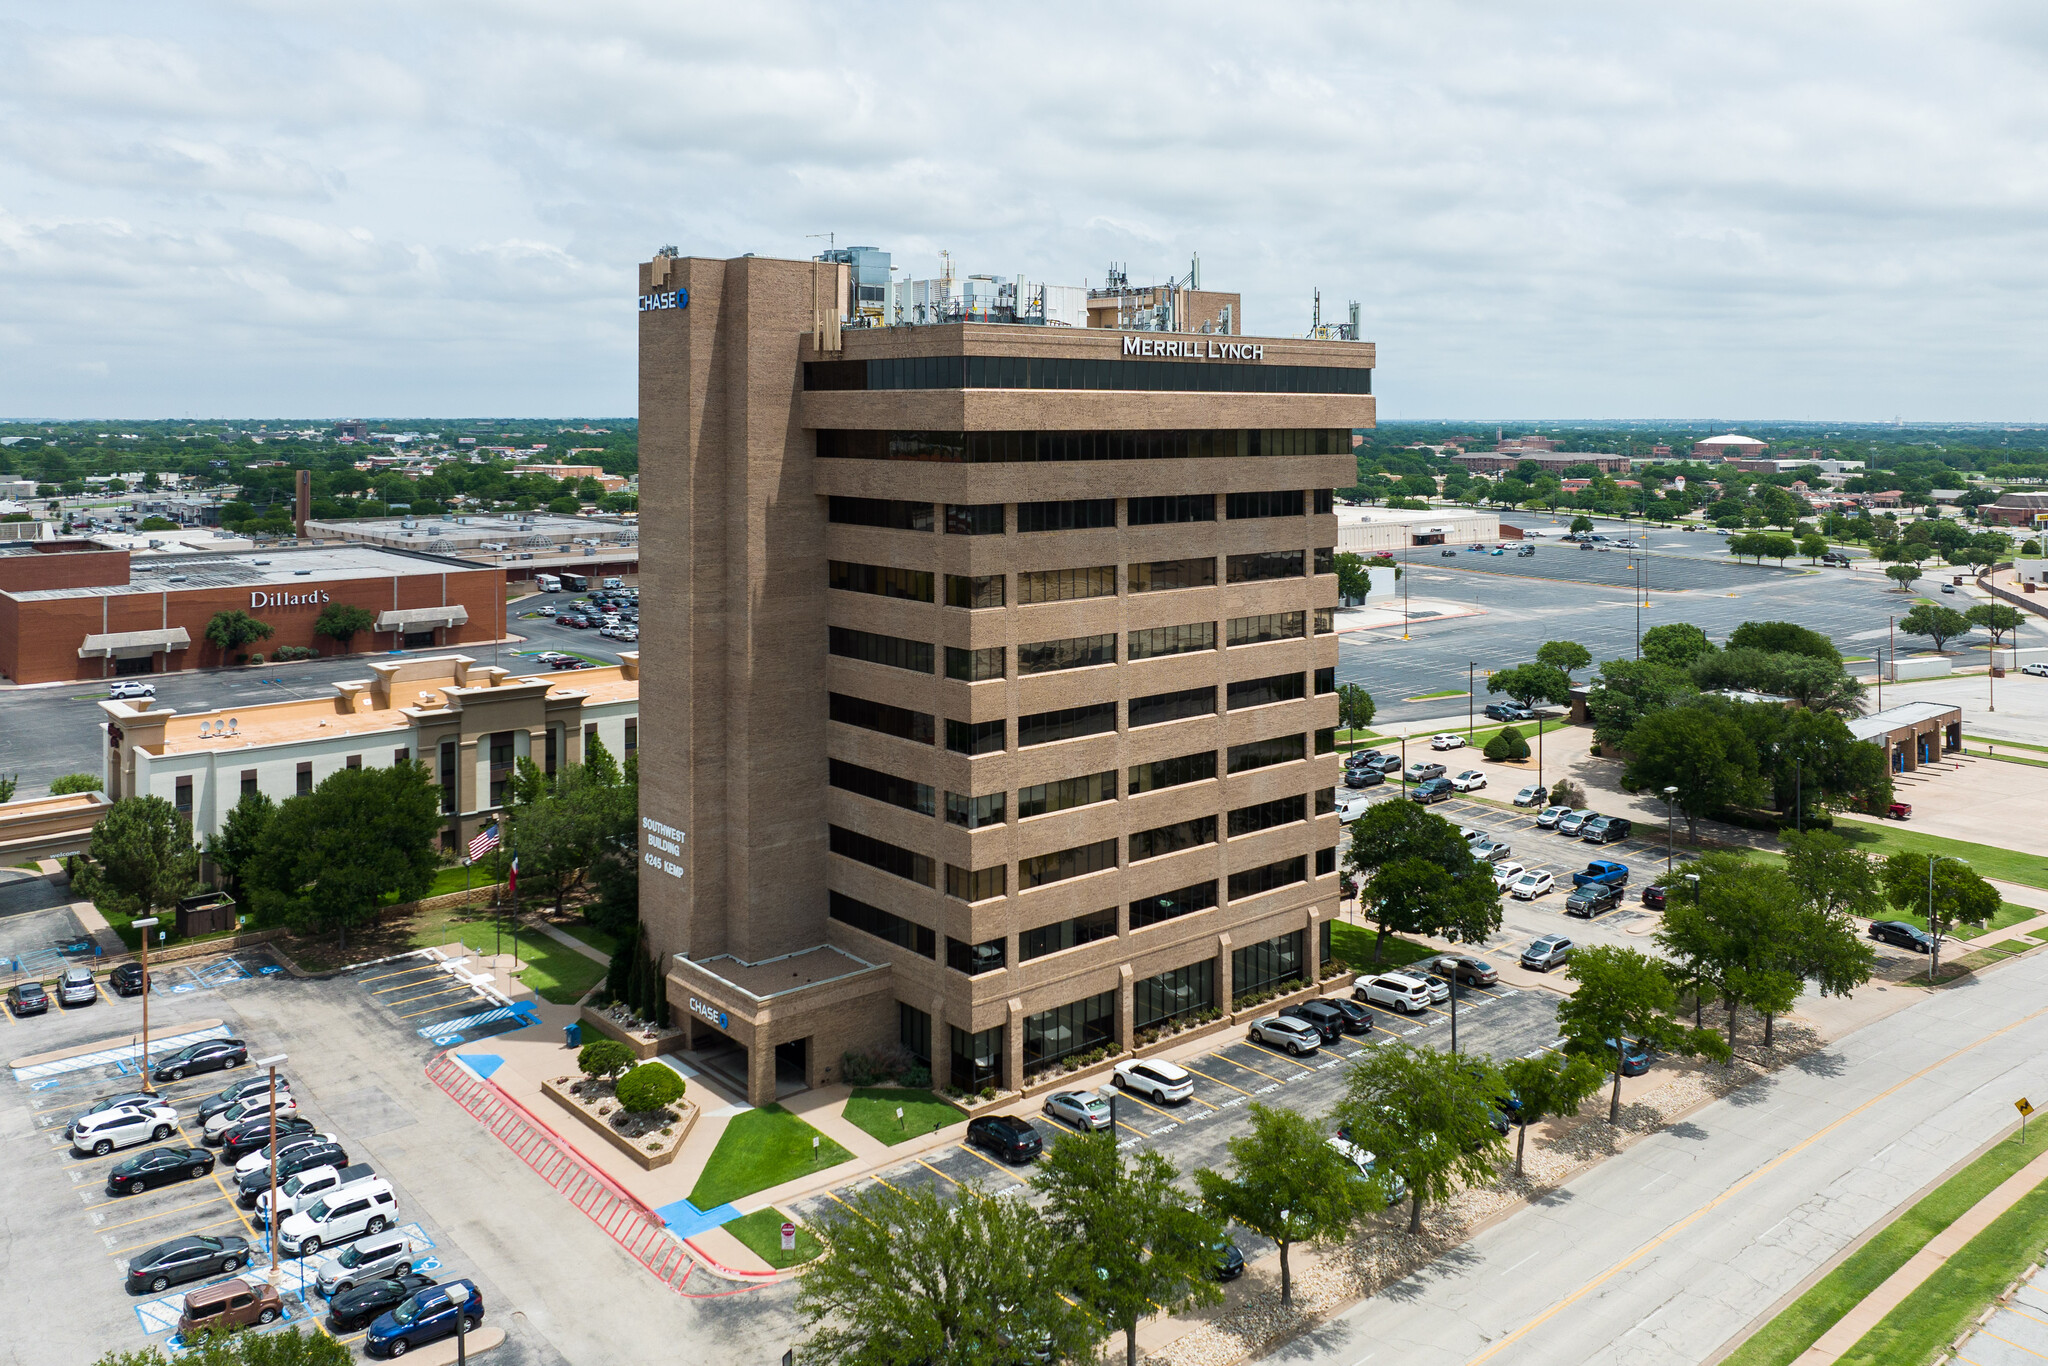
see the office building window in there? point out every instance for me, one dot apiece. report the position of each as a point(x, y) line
point(1247, 820)
point(1061, 585)
point(1261, 967)
point(1326, 862)
point(1326, 740)
point(1326, 624)
point(1170, 839)
point(550, 746)
point(1185, 507)
point(1326, 680)
point(183, 796)
point(975, 666)
point(974, 812)
point(1326, 500)
point(354, 761)
point(589, 737)
point(1173, 640)
point(968, 884)
point(1277, 503)
point(1268, 626)
point(975, 1060)
point(983, 590)
point(1266, 877)
point(305, 779)
point(915, 726)
point(448, 783)
point(1187, 768)
point(1173, 994)
point(1067, 447)
point(1070, 514)
point(885, 581)
point(1263, 692)
point(914, 1032)
point(1281, 749)
point(1068, 792)
point(249, 784)
point(1326, 800)
point(1248, 376)
point(1079, 861)
point(632, 733)
point(501, 764)
point(883, 925)
point(882, 787)
point(897, 653)
point(1264, 564)
point(1067, 934)
point(974, 737)
point(1042, 728)
point(890, 858)
point(1069, 1029)
point(1161, 576)
point(1323, 941)
point(1160, 708)
point(974, 519)
point(883, 512)
point(1074, 652)
point(1173, 905)
point(1326, 559)
point(975, 959)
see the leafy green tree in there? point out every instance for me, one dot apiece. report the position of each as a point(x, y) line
point(229, 631)
point(290, 1347)
point(1581, 525)
point(1996, 618)
point(564, 825)
point(1783, 637)
point(1780, 548)
point(1352, 580)
point(1545, 1085)
point(1627, 690)
point(649, 1087)
point(1813, 683)
point(1355, 708)
point(1903, 575)
point(140, 859)
point(1420, 877)
point(1750, 545)
point(1288, 1185)
point(910, 1276)
point(1702, 754)
point(1676, 644)
point(1565, 792)
point(241, 835)
point(1427, 1118)
point(1939, 624)
point(1625, 994)
point(1147, 1250)
point(341, 622)
point(1813, 547)
point(362, 839)
point(1530, 683)
point(1566, 656)
point(76, 782)
point(1809, 756)
point(605, 1059)
point(1946, 891)
point(7, 786)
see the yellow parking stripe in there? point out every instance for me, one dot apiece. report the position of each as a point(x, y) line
point(1206, 1077)
point(429, 979)
point(934, 1170)
point(80, 1103)
point(143, 1219)
point(152, 1242)
point(1247, 1067)
point(429, 1010)
point(1126, 1095)
point(990, 1160)
point(456, 989)
point(1271, 1051)
point(400, 972)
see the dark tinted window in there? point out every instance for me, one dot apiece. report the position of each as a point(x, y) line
point(1067, 934)
point(1265, 564)
point(1045, 798)
point(1187, 768)
point(1259, 692)
point(1277, 503)
point(974, 519)
point(982, 591)
point(890, 858)
point(883, 787)
point(1161, 576)
point(1065, 724)
point(1065, 863)
point(1186, 507)
point(1173, 640)
point(1253, 881)
point(883, 924)
point(1065, 372)
point(1265, 815)
point(976, 737)
point(880, 716)
point(1168, 839)
point(1073, 514)
point(1172, 706)
point(984, 448)
point(1075, 652)
point(883, 512)
point(1170, 905)
point(882, 580)
point(1281, 749)
point(897, 653)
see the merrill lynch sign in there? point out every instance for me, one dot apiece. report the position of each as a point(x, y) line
point(313, 599)
point(1192, 348)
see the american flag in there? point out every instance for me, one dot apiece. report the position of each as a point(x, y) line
point(483, 843)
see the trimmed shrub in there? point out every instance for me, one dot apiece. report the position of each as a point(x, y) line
point(1497, 748)
point(649, 1087)
point(1565, 792)
point(606, 1059)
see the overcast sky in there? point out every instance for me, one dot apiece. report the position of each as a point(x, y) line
point(1760, 210)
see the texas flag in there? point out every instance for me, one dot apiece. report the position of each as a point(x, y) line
point(512, 877)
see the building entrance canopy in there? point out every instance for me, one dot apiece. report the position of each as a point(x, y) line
point(131, 644)
point(422, 618)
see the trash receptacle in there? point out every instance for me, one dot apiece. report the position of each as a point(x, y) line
point(572, 1033)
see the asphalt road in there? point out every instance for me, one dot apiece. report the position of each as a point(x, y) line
point(1671, 1250)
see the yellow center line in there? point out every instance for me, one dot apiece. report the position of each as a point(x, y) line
point(1219, 1081)
point(1724, 1197)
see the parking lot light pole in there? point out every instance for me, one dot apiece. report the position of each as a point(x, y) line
point(458, 1295)
point(145, 925)
point(1669, 793)
point(1470, 670)
point(270, 1235)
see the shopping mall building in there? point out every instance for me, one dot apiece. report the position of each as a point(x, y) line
point(991, 674)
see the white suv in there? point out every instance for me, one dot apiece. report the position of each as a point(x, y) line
point(1395, 990)
point(124, 690)
point(1162, 1081)
point(122, 1126)
point(249, 1107)
point(336, 1217)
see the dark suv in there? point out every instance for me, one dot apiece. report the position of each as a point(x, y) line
point(251, 1185)
point(1433, 790)
point(1325, 1018)
point(1008, 1137)
point(1607, 829)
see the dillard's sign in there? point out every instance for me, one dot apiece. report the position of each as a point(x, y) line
point(1192, 348)
point(313, 599)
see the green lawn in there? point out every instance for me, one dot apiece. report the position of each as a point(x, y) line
point(872, 1109)
point(761, 1231)
point(2006, 758)
point(763, 1148)
point(1433, 696)
point(1801, 1323)
point(2013, 744)
point(1889, 837)
point(1353, 944)
point(605, 943)
point(2008, 914)
point(555, 971)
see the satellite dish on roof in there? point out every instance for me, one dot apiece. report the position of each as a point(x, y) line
point(202, 727)
point(231, 725)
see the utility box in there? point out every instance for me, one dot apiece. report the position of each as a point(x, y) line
point(205, 913)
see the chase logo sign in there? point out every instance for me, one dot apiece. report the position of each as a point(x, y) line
point(675, 298)
point(711, 1013)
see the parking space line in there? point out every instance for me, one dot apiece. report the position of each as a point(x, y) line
point(935, 1171)
point(132, 1247)
point(247, 1224)
point(450, 989)
point(145, 1218)
point(398, 972)
point(430, 1009)
point(426, 980)
point(1126, 1095)
point(163, 1090)
point(1268, 1050)
point(986, 1158)
point(1218, 1080)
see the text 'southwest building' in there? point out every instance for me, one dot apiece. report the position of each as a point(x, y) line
point(993, 713)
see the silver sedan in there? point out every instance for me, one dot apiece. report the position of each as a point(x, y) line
point(1083, 1109)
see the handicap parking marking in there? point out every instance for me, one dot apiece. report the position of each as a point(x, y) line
point(160, 1047)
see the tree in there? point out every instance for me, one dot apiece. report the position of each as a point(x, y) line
point(605, 1059)
point(1355, 708)
point(1751, 545)
point(1628, 690)
point(1581, 525)
point(7, 786)
point(1545, 1085)
point(1813, 547)
point(1352, 579)
point(563, 825)
point(910, 1276)
point(1810, 758)
point(1996, 618)
point(341, 622)
point(1780, 548)
point(1903, 575)
point(241, 836)
point(1940, 624)
point(1565, 792)
point(649, 1087)
point(290, 1347)
point(362, 839)
point(1625, 994)
point(229, 631)
point(76, 782)
point(1676, 644)
point(1945, 891)
point(1527, 683)
point(1144, 1248)
point(1783, 637)
point(1420, 877)
point(1566, 656)
point(1427, 1118)
point(1704, 755)
point(140, 859)
point(1287, 1184)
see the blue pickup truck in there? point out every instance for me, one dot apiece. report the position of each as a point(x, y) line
point(1606, 872)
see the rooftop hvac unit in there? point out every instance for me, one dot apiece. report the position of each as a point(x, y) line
point(300, 573)
point(178, 578)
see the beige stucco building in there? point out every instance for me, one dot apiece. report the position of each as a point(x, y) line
point(992, 673)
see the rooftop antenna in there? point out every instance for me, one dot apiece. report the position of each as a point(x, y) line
point(830, 239)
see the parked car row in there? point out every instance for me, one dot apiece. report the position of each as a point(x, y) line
point(75, 987)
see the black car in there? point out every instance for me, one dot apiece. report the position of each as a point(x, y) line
point(1433, 790)
point(28, 998)
point(290, 1162)
point(253, 1135)
point(1607, 829)
point(1592, 899)
point(210, 1056)
point(247, 1086)
point(1357, 1019)
point(126, 980)
point(1321, 1016)
point(1229, 1261)
point(1653, 897)
point(1006, 1136)
point(1363, 777)
point(186, 1259)
point(1901, 935)
point(359, 1305)
point(157, 1167)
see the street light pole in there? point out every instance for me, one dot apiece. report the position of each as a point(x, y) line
point(270, 1234)
point(1669, 793)
point(1471, 668)
point(458, 1295)
point(146, 925)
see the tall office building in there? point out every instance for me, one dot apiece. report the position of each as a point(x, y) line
point(989, 703)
